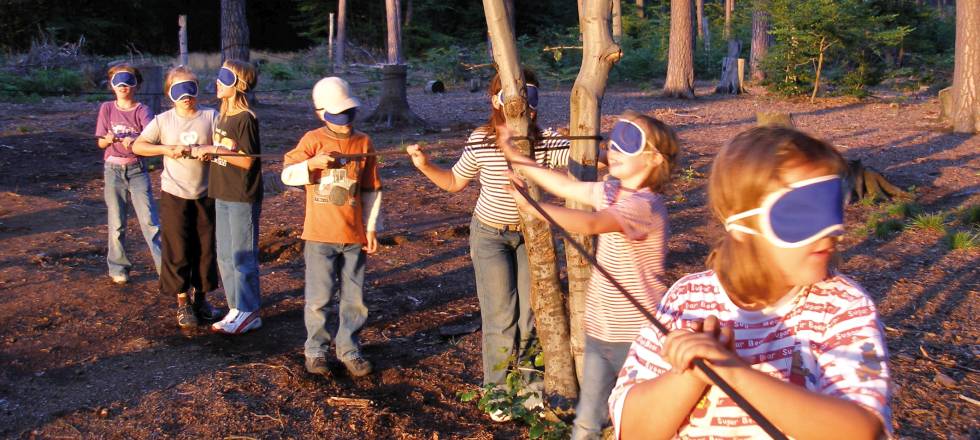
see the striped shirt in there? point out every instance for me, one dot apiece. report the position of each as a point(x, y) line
point(635, 259)
point(826, 338)
point(486, 160)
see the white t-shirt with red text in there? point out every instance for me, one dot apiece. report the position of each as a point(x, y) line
point(826, 337)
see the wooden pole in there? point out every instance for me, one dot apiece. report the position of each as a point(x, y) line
point(330, 42)
point(182, 38)
point(341, 32)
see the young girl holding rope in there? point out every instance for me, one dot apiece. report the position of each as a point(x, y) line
point(631, 220)
point(235, 184)
point(186, 211)
point(496, 243)
point(119, 124)
point(802, 343)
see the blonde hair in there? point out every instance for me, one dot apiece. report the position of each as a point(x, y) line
point(124, 67)
point(743, 172)
point(660, 138)
point(182, 72)
point(246, 81)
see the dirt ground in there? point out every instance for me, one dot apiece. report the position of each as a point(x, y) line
point(83, 358)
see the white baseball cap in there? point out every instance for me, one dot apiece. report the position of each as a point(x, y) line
point(332, 94)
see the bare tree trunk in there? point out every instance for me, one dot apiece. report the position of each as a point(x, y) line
point(707, 34)
point(640, 6)
point(731, 76)
point(547, 302)
point(617, 20)
point(729, 10)
point(966, 72)
point(338, 57)
point(599, 53)
point(234, 31)
point(408, 13)
point(760, 42)
point(680, 59)
point(816, 80)
point(699, 12)
point(393, 110)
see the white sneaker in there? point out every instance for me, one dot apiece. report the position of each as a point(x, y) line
point(237, 322)
point(120, 279)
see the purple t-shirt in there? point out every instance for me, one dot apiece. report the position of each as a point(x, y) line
point(123, 123)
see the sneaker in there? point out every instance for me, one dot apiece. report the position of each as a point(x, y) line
point(317, 365)
point(205, 311)
point(120, 279)
point(357, 366)
point(185, 314)
point(237, 322)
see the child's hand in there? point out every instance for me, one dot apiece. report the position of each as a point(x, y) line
point(109, 137)
point(506, 145)
point(127, 142)
point(372, 242)
point(320, 161)
point(419, 158)
point(519, 199)
point(177, 151)
point(709, 341)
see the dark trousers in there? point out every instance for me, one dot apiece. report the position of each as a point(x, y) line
point(188, 247)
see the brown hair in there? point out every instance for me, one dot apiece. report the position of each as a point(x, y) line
point(743, 172)
point(123, 67)
point(172, 74)
point(660, 138)
point(246, 81)
point(497, 114)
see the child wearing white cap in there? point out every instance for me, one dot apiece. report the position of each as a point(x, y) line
point(343, 206)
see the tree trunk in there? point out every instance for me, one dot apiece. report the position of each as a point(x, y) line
point(408, 13)
point(731, 78)
point(729, 10)
point(816, 79)
point(640, 6)
point(547, 302)
point(760, 42)
point(680, 59)
point(599, 53)
point(341, 42)
point(966, 72)
point(393, 110)
point(234, 31)
point(617, 20)
point(699, 12)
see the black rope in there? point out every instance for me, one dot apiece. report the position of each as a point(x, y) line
point(763, 422)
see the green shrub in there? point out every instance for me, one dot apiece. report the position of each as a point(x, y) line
point(962, 240)
point(888, 227)
point(929, 222)
point(44, 82)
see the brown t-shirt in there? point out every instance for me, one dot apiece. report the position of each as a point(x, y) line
point(334, 210)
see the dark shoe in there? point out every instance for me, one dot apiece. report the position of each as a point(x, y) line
point(357, 366)
point(317, 365)
point(185, 313)
point(204, 311)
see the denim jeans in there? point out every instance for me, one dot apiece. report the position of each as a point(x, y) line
point(326, 265)
point(237, 235)
point(503, 286)
point(124, 183)
point(601, 364)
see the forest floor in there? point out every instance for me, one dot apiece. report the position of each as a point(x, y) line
point(81, 357)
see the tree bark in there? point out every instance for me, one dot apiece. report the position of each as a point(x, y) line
point(393, 110)
point(966, 71)
point(760, 42)
point(699, 12)
point(547, 302)
point(408, 13)
point(617, 20)
point(816, 79)
point(729, 10)
point(341, 42)
point(599, 53)
point(640, 5)
point(731, 79)
point(234, 31)
point(680, 58)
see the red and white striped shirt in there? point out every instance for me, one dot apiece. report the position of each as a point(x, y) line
point(826, 338)
point(486, 160)
point(635, 259)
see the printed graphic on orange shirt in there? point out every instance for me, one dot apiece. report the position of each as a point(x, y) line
point(335, 187)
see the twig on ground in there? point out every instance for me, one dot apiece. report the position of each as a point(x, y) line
point(349, 401)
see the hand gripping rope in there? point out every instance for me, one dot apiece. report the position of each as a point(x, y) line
point(754, 413)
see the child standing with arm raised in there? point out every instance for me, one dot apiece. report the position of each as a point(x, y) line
point(631, 220)
point(235, 184)
point(119, 123)
point(800, 342)
point(343, 205)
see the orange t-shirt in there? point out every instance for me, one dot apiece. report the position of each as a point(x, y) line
point(334, 210)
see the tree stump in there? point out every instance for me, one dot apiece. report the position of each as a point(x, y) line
point(946, 104)
point(393, 109)
point(774, 119)
point(152, 88)
point(731, 68)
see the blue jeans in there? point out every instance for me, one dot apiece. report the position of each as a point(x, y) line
point(237, 235)
point(124, 183)
point(326, 265)
point(601, 364)
point(503, 286)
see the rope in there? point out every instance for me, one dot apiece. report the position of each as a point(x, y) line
point(754, 413)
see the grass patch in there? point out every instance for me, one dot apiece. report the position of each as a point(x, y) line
point(971, 215)
point(929, 222)
point(903, 210)
point(888, 227)
point(962, 240)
